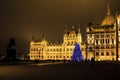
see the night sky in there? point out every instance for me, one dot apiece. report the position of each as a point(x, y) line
point(23, 18)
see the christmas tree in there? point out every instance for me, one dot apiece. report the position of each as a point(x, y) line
point(77, 54)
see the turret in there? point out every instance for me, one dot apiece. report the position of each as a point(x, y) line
point(65, 36)
point(79, 37)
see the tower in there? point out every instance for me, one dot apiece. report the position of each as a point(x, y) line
point(79, 37)
point(109, 19)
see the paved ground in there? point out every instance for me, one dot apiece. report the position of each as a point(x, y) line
point(61, 71)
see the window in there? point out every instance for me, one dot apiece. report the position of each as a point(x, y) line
point(102, 53)
point(112, 41)
point(53, 49)
point(96, 41)
point(36, 49)
point(113, 54)
point(97, 53)
point(101, 41)
point(102, 35)
point(107, 35)
point(107, 41)
point(60, 49)
point(107, 53)
point(97, 36)
point(97, 47)
point(82, 49)
point(67, 49)
point(31, 49)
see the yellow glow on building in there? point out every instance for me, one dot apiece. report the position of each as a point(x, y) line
point(42, 50)
point(100, 43)
point(101, 39)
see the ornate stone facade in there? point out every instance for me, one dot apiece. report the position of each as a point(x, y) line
point(42, 50)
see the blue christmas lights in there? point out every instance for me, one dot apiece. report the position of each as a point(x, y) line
point(77, 54)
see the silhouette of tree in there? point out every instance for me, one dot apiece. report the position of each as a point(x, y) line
point(11, 50)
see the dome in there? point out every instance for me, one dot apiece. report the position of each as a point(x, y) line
point(109, 19)
point(44, 42)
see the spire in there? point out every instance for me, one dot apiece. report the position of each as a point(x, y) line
point(43, 37)
point(65, 31)
point(108, 10)
point(78, 29)
point(33, 37)
point(73, 27)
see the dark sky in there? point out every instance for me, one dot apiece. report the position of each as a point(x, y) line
point(23, 18)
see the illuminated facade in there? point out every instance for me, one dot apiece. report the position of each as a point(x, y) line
point(101, 39)
point(100, 42)
point(42, 50)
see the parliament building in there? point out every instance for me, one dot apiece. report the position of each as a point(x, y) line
point(42, 50)
point(101, 42)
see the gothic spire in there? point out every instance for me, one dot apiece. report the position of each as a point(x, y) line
point(108, 10)
point(78, 29)
point(33, 37)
